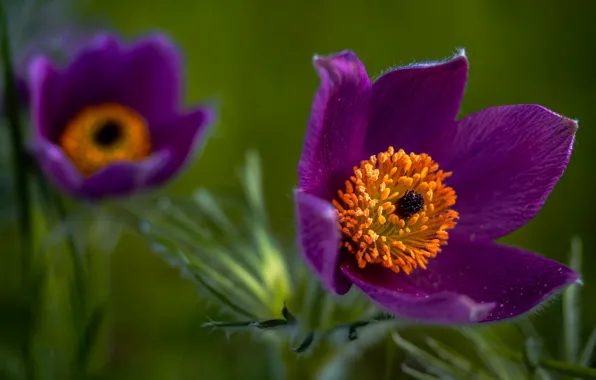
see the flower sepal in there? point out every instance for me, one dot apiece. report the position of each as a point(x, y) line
point(288, 322)
point(341, 333)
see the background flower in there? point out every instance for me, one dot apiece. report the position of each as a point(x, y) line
point(109, 124)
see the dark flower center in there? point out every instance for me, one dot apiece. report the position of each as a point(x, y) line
point(410, 204)
point(108, 134)
point(105, 133)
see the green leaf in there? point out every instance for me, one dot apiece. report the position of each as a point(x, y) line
point(252, 180)
point(345, 356)
point(7, 205)
point(239, 262)
point(89, 339)
point(426, 359)
point(571, 312)
point(449, 355)
point(417, 374)
point(306, 343)
point(486, 345)
point(560, 367)
point(11, 366)
point(588, 350)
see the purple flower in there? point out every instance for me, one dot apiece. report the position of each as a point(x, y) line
point(54, 28)
point(415, 231)
point(109, 123)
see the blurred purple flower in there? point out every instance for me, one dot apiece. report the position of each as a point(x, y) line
point(52, 27)
point(109, 124)
point(397, 211)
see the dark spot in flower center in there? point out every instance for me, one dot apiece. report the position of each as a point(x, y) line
point(409, 204)
point(108, 134)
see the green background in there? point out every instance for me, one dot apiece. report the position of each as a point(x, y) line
point(254, 59)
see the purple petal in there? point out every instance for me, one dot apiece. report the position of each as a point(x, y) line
point(505, 161)
point(467, 282)
point(153, 78)
point(336, 128)
point(41, 76)
point(410, 105)
point(123, 178)
point(56, 165)
point(319, 239)
point(145, 77)
point(118, 179)
point(399, 296)
point(179, 137)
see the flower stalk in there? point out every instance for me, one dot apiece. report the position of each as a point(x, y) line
point(21, 183)
point(12, 109)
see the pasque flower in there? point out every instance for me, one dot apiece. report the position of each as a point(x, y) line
point(109, 123)
point(402, 200)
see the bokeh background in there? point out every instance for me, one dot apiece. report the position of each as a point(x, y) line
point(253, 57)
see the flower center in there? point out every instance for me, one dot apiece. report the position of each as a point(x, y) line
point(102, 134)
point(108, 134)
point(395, 211)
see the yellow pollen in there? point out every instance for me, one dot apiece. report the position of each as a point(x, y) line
point(395, 211)
point(102, 134)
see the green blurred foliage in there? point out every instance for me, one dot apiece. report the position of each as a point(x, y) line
point(253, 58)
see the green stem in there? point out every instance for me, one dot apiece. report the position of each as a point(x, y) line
point(87, 328)
point(22, 191)
point(86, 325)
point(556, 366)
point(79, 268)
point(315, 299)
point(12, 110)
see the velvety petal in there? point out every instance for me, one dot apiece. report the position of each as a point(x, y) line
point(56, 165)
point(505, 161)
point(404, 299)
point(467, 282)
point(319, 239)
point(336, 128)
point(180, 138)
point(118, 179)
point(121, 179)
point(153, 78)
point(144, 76)
point(412, 104)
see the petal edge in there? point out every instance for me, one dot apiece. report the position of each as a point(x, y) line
point(319, 239)
point(505, 162)
point(337, 124)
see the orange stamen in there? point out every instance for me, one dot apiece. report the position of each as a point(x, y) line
point(102, 134)
point(395, 211)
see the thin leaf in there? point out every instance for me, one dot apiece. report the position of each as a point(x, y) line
point(424, 358)
point(588, 350)
point(306, 343)
point(7, 206)
point(571, 312)
point(252, 180)
point(450, 356)
point(417, 374)
point(560, 367)
point(22, 188)
point(221, 297)
point(89, 339)
point(485, 346)
point(340, 365)
point(389, 356)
